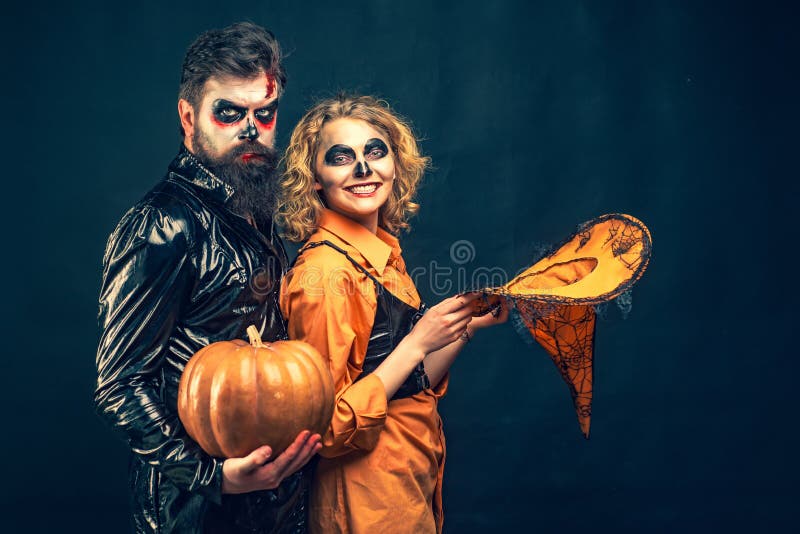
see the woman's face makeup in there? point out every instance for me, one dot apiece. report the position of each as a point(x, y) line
point(235, 111)
point(354, 169)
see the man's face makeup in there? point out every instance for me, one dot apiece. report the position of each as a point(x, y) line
point(226, 113)
point(235, 113)
point(354, 169)
point(234, 134)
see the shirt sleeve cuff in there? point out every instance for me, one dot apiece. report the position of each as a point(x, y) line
point(365, 402)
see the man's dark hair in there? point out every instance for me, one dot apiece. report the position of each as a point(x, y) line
point(242, 50)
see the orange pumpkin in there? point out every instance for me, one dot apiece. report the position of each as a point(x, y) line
point(234, 397)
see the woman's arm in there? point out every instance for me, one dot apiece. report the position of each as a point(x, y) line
point(436, 332)
point(325, 306)
point(437, 363)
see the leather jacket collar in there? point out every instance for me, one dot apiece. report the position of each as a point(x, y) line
point(186, 166)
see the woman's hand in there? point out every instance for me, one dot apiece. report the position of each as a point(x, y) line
point(442, 324)
point(438, 362)
point(255, 471)
point(497, 315)
point(438, 327)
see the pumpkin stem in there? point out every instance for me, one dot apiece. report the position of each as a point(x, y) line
point(255, 337)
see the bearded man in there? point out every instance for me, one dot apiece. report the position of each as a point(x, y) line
point(196, 261)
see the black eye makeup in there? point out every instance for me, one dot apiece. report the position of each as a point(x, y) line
point(375, 149)
point(265, 115)
point(339, 155)
point(227, 112)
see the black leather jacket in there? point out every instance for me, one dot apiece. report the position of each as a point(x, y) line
point(182, 271)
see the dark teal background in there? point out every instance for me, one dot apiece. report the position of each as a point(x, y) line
point(538, 116)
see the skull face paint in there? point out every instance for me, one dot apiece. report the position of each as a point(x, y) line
point(375, 149)
point(338, 155)
point(354, 170)
point(250, 131)
point(234, 111)
point(266, 115)
point(362, 169)
point(226, 113)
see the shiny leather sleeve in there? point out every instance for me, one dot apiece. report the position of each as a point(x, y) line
point(147, 277)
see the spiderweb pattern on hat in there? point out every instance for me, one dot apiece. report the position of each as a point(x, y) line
point(555, 300)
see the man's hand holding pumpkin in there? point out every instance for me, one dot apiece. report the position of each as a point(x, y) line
point(256, 472)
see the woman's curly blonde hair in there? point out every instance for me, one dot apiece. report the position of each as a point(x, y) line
point(299, 205)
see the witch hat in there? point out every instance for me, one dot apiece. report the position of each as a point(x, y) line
point(555, 298)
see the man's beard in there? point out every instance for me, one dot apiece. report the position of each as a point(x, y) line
point(253, 181)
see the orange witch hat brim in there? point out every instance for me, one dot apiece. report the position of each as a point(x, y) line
point(555, 297)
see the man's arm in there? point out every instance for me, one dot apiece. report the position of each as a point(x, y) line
point(147, 278)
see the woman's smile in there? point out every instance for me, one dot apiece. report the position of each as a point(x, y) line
point(363, 190)
point(354, 170)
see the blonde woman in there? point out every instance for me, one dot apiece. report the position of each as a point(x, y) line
point(352, 169)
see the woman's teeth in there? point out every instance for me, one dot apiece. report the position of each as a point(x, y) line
point(363, 189)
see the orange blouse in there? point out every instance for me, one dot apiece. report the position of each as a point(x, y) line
point(381, 463)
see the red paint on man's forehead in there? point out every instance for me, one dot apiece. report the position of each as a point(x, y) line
point(270, 86)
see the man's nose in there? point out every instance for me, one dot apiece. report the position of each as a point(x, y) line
point(250, 132)
point(362, 169)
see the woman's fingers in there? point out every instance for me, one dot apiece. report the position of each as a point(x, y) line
point(459, 327)
point(456, 302)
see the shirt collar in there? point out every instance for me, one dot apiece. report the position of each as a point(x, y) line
point(377, 249)
point(188, 167)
